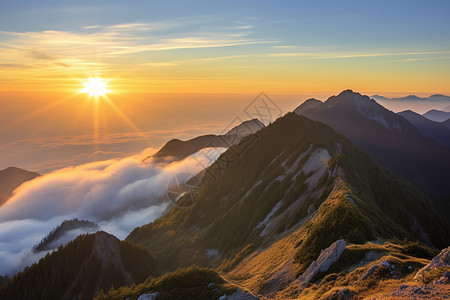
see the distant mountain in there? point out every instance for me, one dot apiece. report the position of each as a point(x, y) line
point(431, 129)
point(437, 115)
point(81, 269)
point(54, 239)
point(395, 143)
point(176, 149)
point(10, 179)
point(298, 174)
point(245, 128)
point(435, 97)
point(447, 109)
point(307, 105)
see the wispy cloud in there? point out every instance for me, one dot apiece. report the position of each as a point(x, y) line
point(52, 49)
point(337, 55)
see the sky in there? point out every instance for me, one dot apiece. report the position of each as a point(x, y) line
point(227, 46)
point(179, 67)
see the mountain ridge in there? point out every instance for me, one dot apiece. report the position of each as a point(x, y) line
point(427, 127)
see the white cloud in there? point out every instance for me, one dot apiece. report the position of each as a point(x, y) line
point(119, 195)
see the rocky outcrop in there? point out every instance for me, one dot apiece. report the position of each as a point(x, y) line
point(442, 260)
point(326, 258)
point(151, 296)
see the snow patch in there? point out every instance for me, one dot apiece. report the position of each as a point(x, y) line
point(266, 220)
point(212, 253)
point(318, 164)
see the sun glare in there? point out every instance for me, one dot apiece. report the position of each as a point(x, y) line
point(95, 87)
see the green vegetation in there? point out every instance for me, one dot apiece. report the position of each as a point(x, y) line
point(185, 283)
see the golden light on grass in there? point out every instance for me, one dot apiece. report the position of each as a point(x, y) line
point(95, 87)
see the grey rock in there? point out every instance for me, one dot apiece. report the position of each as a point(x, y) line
point(326, 258)
point(441, 260)
point(151, 296)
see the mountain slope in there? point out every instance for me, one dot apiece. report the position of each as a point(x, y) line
point(390, 139)
point(81, 269)
point(11, 178)
point(431, 129)
point(187, 283)
point(298, 174)
point(177, 149)
point(437, 115)
point(446, 123)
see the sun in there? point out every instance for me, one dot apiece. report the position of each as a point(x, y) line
point(95, 87)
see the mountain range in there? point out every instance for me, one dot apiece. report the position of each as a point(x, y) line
point(395, 143)
point(435, 97)
point(335, 200)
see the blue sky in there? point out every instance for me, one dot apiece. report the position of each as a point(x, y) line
point(387, 24)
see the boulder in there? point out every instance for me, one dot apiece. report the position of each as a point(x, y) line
point(326, 258)
point(441, 260)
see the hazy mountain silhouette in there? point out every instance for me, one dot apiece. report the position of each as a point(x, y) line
point(434, 130)
point(437, 115)
point(176, 149)
point(10, 179)
point(395, 143)
point(435, 97)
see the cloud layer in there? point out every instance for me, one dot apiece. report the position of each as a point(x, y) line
point(119, 195)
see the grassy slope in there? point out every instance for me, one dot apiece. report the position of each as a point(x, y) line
point(186, 283)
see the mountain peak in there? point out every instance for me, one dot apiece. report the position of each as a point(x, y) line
point(308, 104)
point(246, 127)
point(349, 92)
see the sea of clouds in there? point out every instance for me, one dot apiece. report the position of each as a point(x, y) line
point(118, 195)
